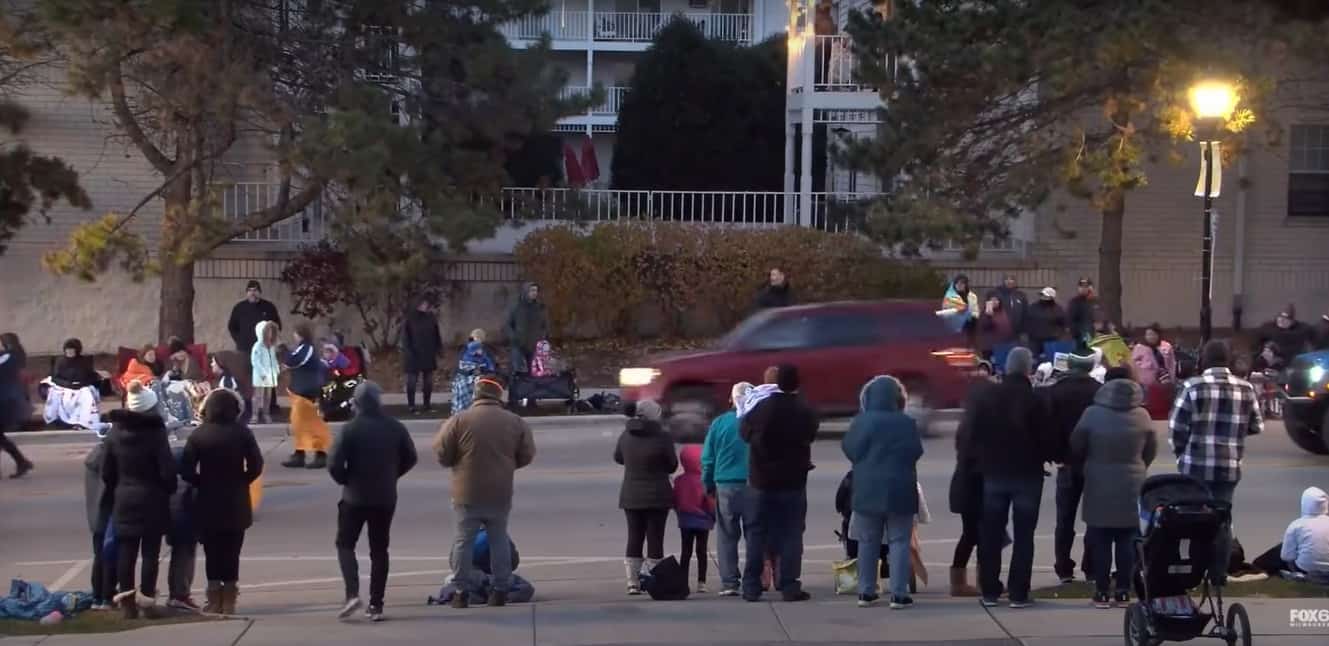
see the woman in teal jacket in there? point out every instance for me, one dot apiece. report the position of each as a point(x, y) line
point(884, 447)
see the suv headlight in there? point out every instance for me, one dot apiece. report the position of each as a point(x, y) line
point(637, 377)
point(1315, 374)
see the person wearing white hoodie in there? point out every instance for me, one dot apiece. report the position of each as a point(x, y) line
point(1305, 546)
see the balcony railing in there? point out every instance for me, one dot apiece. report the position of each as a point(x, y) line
point(235, 201)
point(835, 67)
point(626, 26)
point(611, 104)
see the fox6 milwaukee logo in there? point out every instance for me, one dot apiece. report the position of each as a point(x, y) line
point(1309, 617)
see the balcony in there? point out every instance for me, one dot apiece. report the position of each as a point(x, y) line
point(609, 107)
point(235, 201)
point(626, 26)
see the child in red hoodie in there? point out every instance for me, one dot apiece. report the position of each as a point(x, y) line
point(695, 511)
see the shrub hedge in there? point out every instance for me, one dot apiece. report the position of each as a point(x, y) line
point(600, 280)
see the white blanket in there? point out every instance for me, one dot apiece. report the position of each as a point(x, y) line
point(76, 407)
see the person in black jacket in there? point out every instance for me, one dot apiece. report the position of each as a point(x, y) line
point(421, 344)
point(99, 503)
point(371, 453)
point(309, 433)
point(1044, 322)
point(527, 325)
point(776, 292)
point(14, 406)
point(140, 471)
point(966, 493)
point(1080, 311)
point(1067, 400)
point(221, 459)
point(1013, 303)
point(648, 457)
point(1010, 443)
point(779, 431)
point(74, 370)
point(247, 314)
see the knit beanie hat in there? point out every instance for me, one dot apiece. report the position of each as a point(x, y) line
point(649, 410)
point(488, 389)
point(139, 398)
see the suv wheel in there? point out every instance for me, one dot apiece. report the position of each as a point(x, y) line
point(1305, 436)
point(691, 410)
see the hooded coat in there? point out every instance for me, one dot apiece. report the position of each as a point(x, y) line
point(371, 452)
point(694, 508)
point(421, 342)
point(140, 471)
point(96, 495)
point(1115, 441)
point(265, 368)
point(74, 372)
point(884, 447)
point(528, 321)
point(221, 459)
point(1306, 541)
point(647, 454)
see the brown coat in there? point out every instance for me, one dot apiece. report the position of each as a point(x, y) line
point(484, 445)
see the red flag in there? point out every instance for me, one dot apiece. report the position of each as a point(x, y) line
point(590, 166)
point(572, 168)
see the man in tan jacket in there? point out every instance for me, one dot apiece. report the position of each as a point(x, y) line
point(484, 446)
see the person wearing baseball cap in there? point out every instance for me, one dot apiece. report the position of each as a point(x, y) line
point(1045, 321)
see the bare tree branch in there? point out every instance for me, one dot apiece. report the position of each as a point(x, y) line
point(120, 105)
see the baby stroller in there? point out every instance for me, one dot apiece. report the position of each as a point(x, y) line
point(545, 378)
point(1180, 522)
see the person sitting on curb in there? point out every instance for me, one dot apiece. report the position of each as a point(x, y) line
point(1305, 546)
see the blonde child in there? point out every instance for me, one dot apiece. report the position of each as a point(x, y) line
point(266, 369)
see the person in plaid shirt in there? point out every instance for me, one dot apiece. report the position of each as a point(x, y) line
point(1209, 423)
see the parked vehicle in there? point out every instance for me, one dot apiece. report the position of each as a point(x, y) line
point(1306, 405)
point(837, 347)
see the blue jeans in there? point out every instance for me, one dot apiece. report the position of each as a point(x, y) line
point(1104, 543)
point(731, 516)
point(470, 520)
point(1223, 491)
point(777, 524)
point(1016, 499)
point(868, 530)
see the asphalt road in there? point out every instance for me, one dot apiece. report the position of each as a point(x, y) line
point(565, 519)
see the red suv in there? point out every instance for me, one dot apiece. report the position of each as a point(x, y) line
point(837, 347)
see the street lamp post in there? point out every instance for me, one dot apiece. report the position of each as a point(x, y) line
point(1212, 102)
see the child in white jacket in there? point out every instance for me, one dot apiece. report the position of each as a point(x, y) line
point(265, 369)
point(1306, 542)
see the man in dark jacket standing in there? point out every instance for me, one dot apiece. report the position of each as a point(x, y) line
point(1011, 445)
point(1044, 322)
point(1081, 314)
point(779, 431)
point(528, 324)
point(1067, 400)
point(243, 325)
point(776, 292)
point(1013, 302)
point(371, 453)
point(421, 343)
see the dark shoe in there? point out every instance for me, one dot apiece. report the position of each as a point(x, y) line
point(374, 614)
point(296, 461)
point(1121, 599)
point(461, 600)
point(867, 600)
point(795, 597)
point(498, 599)
point(990, 602)
point(1102, 601)
point(1021, 603)
point(23, 469)
point(752, 598)
point(900, 603)
point(320, 461)
point(411, 410)
point(1066, 579)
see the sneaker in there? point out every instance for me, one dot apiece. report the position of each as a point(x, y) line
point(634, 590)
point(1021, 603)
point(730, 592)
point(990, 602)
point(352, 604)
point(374, 614)
point(1121, 599)
point(900, 603)
point(1066, 579)
point(867, 600)
point(1102, 601)
point(183, 603)
point(701, 587)
point(796, 597)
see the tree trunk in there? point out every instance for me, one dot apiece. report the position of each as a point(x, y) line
point(1109, 255)
point(176, 316)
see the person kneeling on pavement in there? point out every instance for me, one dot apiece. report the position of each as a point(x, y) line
point(1305, 546)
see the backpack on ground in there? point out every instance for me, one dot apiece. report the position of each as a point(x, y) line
point(667, 581)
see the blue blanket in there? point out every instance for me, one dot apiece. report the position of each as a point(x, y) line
point(33, 601)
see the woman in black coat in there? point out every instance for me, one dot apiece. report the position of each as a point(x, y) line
point(647, 454)
point(140, 469)
point(14, 406)
point(966, 499)
point(221, 459)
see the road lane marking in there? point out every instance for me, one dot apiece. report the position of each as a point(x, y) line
point(69, 575)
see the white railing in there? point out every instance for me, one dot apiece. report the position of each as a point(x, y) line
point(235, 201)
point(594, 205)
point(834, 67)
point(609, 107)
point(626, 26)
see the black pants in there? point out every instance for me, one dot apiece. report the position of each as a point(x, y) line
point(222, 550)
point(970, 522)
point(1070, 488)
point(427, 387)
point(103, 573)
point(7, 445)
point(694, 538)
point(351, 519)
point(646, 526)
point(128, 553)
point(1110, 543)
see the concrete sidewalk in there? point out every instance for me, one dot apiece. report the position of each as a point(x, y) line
point(710, 621)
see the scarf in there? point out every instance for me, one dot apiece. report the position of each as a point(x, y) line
point(756, 396)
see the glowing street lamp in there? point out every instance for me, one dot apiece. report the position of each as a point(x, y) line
point(1213, 102)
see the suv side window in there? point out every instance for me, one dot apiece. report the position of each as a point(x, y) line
point(782, 333)
point(916, 326)
point(846, 330)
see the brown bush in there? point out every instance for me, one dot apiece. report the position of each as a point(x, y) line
point(599, 280)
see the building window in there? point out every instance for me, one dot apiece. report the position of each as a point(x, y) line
point(1308, 172)
point(380, 44)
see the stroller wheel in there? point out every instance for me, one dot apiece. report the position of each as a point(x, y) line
point(1136, 627)
point(1238, 625)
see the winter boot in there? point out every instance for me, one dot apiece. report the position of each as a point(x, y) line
point(230, 594)
point(320, 461)
point(960, 583)
point(633, 568)
point(498, 599)
point(296, 461)
point(213, 606)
